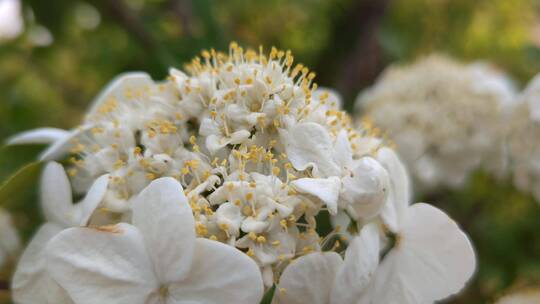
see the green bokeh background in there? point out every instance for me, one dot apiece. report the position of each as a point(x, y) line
point(348, 43)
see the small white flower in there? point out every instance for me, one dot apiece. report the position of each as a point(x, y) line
point(11, 19)
point(526, 296)
point(31, 283)
point(359, 185)
point(158, 259)
point(10, 242)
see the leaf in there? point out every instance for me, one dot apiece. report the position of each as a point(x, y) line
point(13, 158)
point(18, 184)
point(267, 299)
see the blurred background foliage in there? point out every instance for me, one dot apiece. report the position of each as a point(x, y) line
point(68, 50)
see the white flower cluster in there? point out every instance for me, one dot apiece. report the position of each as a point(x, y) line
point(205, 188)
point(523, 128)
point(444, 117)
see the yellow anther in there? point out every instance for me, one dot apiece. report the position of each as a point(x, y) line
point(72, 172)
point(247, 211)
point(119, 164)
point(201, 229)
point(185, 170)
point(224, 226)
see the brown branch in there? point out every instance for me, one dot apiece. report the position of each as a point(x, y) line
point(355, 47)
point(183, 9)
point(119, 12)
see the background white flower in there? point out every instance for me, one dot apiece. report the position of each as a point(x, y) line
point(158, 259)
point(444, 117)
point(522, 130)
point(10, 242)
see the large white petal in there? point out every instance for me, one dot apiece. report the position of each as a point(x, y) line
point(164, 217)
point(93, 197)
point(219, 274)
point(31, 283)
point(117, 87)
point(326, 189)
point(308, 279)
point(102, 266)
point(38, 136)
point(310, 145)
point(56, 196)
point(432, 260)
point(399, 195)
point(361, 261)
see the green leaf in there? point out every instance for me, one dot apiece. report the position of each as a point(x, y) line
point(18, 184)
point(267, 299)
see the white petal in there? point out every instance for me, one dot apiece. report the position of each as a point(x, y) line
point(102, 266)
point(93, 197)
point(250, 224)
point(38, 136)
point(31, 283)
point(61, 147)
point(162, 213)
point(432, 260)
point(117, 87)
point(366, 191)
point(310, 145)
point(230, 215)
point(361, 261)
point(343, 221)
point(326, 189)
point(219, 274)
point(308, 279)
point(56, 197)
point(334, 98)
point(343, 151)
point(399, 194)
